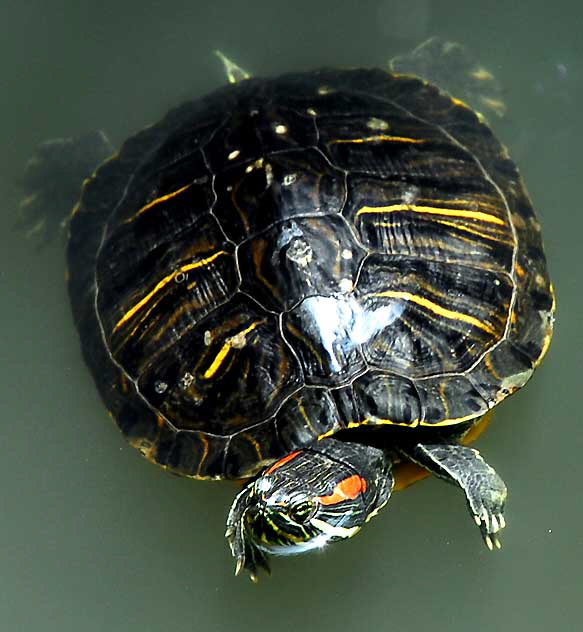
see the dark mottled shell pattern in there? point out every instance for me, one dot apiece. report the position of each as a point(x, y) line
point(290, 257)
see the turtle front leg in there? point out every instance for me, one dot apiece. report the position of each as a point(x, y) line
point(485, 491)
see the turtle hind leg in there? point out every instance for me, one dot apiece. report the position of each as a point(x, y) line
point(451, 67)
point(485, 491)
point(52, 181)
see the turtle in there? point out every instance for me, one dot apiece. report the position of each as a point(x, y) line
point(304, 282)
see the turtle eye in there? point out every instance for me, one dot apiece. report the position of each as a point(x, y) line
point(301, 511)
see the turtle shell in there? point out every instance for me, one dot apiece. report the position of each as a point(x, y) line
point(286, 258)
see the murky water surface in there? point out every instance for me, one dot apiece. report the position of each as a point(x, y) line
point(94, 537)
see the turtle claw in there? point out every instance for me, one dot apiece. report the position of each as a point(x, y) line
point(485, 491)
point(490, 524)
point(251, 560)
point(239, 565)
point(248, 556)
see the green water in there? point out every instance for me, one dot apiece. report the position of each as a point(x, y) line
point(93, 537)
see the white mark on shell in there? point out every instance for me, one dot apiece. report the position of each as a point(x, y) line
point(346, 285)
point(238, 341)
point(207, 337)
point(325, 90)
point(160, 387)
point(280, 128)
point(254, 165)
point(410, 194)
point(346, 254)
point(186, 380)
point(300, 253)
point(268, 174)
point(376, 123)
point(311, 112)
point(289, 178)
point(234, 154)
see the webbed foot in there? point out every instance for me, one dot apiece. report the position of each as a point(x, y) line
point(52, 181)
point(485, 491)
point(247, 555)
point(486, 498)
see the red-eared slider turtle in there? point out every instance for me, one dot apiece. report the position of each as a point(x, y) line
point(304, 281)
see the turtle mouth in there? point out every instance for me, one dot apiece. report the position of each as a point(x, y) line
point(272, 529)
point(296, 548)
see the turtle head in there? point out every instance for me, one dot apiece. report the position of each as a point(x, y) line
point(310, 497)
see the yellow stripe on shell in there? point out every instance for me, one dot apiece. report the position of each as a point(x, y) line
point(452, 421)
point(374, 421)
point(234, 341)
point(453, 212)
point(549, 334)
point(157, 201)
point(379, 137)
point(436, 309)
point(459, 102)
point(163, 283)
point(467, 229)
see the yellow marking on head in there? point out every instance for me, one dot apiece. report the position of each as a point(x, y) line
point(163, 283)
point(436, 309)
point(377, 138)
point(432, 210)
point(158, 201)
point(331, 530)
point(237, 341)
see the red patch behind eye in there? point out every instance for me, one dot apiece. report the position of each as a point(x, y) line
point(278, 464)
point(349, 488)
